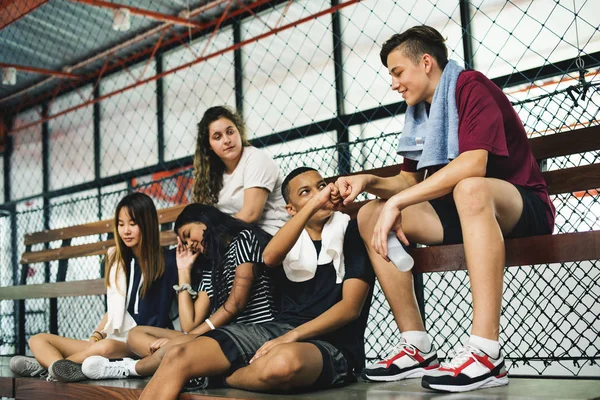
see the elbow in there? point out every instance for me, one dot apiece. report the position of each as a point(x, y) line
point(270, 259)
point(249, 217)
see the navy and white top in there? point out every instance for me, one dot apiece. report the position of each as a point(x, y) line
point(153, 309)
point(244, 248)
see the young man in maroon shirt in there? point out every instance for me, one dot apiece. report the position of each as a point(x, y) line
point(493, 189)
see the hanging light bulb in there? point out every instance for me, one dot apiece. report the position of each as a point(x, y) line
point(9, 76)
point(121, 19)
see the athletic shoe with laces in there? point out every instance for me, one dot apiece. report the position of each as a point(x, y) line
point(404, 361)
point(98, 367)
point(26, 366)
point(469, 369)
point(66, 371)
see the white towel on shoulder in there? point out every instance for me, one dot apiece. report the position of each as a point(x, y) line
point(301, 262)
point(118, 320)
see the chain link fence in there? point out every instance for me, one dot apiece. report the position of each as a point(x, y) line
point(307, 78)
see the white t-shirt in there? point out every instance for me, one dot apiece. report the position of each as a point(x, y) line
point(256, 169)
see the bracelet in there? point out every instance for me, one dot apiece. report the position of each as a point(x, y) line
point(209, 323)
point(99, 333)
point(185, 287)
point(95, 338)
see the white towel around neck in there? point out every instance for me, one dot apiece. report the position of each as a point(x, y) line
point(301, 262)
point(118, 320)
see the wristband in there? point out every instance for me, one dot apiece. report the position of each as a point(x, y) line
point(99, 333)
point(185, 287)
point(209, 323)
point(95, 338)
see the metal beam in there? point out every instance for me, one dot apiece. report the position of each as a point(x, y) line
point(198, 60)
point(141, 12)
point(13, 10)
point(41, 71)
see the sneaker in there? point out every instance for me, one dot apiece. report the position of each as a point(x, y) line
point(66, 371)
point(469, 369)
point(98, 367)
point(405, 361)
point(26, 366)
point(196, 384)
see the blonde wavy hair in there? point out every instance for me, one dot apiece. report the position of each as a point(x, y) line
point(208, 167)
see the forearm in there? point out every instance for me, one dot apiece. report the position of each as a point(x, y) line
point(102, 323)
point(385, 188)
point(334, 318)
point(223, 316)
point(283, 241)
point(441, 183)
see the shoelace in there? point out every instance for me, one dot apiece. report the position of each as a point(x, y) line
point(115, 368)
point(47, 377)
point(402, 346)
point(460, 356)
point(31, 366)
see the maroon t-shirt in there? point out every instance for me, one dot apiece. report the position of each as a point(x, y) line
point(487, 120)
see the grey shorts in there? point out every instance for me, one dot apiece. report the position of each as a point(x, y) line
point(239, 343)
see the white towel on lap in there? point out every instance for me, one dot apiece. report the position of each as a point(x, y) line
point(301, 262)
point(118, 321)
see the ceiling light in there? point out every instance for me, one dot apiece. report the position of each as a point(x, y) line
point(121, 19)
point(9, 76)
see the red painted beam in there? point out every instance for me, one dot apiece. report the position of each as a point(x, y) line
point(142, 13)
point(12, 10)
point(42, 71)
point(196, 61)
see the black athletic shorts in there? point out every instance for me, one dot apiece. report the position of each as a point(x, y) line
point(533, 220)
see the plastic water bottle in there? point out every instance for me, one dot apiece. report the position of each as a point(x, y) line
point(397, 255)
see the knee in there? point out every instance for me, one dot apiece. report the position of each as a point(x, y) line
point(367, 217)
point(283, 365)
point(105, 348)
point(175, 355)
point(472, 196)
point(36, 340)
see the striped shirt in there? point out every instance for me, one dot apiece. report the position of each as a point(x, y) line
point(244, 248)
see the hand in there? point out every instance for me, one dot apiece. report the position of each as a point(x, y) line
point(157, 344)
point(265, 348)
point(328, 198)
point(185, 257)
point(350, 187)
point(390, 219)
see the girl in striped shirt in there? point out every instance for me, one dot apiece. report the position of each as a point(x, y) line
point(219, 255)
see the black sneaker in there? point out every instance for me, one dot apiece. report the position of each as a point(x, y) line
point(66, 371)
point(196, 384)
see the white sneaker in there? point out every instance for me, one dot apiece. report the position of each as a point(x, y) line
point(404, 361)
point(98, 367)
point(469, 369)
point(26, 366)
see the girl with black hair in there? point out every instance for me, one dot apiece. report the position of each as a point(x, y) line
point(232, 286)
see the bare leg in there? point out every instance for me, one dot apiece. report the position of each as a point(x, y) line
point(421, 224)
point(147, 366)
point(488, 208)
point(140, 338)
point(200, 357)
point(287, 366)
point(106, 348)
point(47, 348)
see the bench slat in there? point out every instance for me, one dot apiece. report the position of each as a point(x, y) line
point(546, 249)
point(52, 290)
point(167, 238)
point(7, 386)
point(566, 143)
point(573, 179)
point(165, 215)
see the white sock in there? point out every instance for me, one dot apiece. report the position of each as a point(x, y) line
point(130, 365)
point(420, 339)
point(491, 347)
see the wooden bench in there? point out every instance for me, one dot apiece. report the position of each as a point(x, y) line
point(557, 248)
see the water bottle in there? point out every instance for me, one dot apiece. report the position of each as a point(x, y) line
point(397, 255)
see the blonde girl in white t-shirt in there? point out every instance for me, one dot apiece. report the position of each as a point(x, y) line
point(237, 178)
